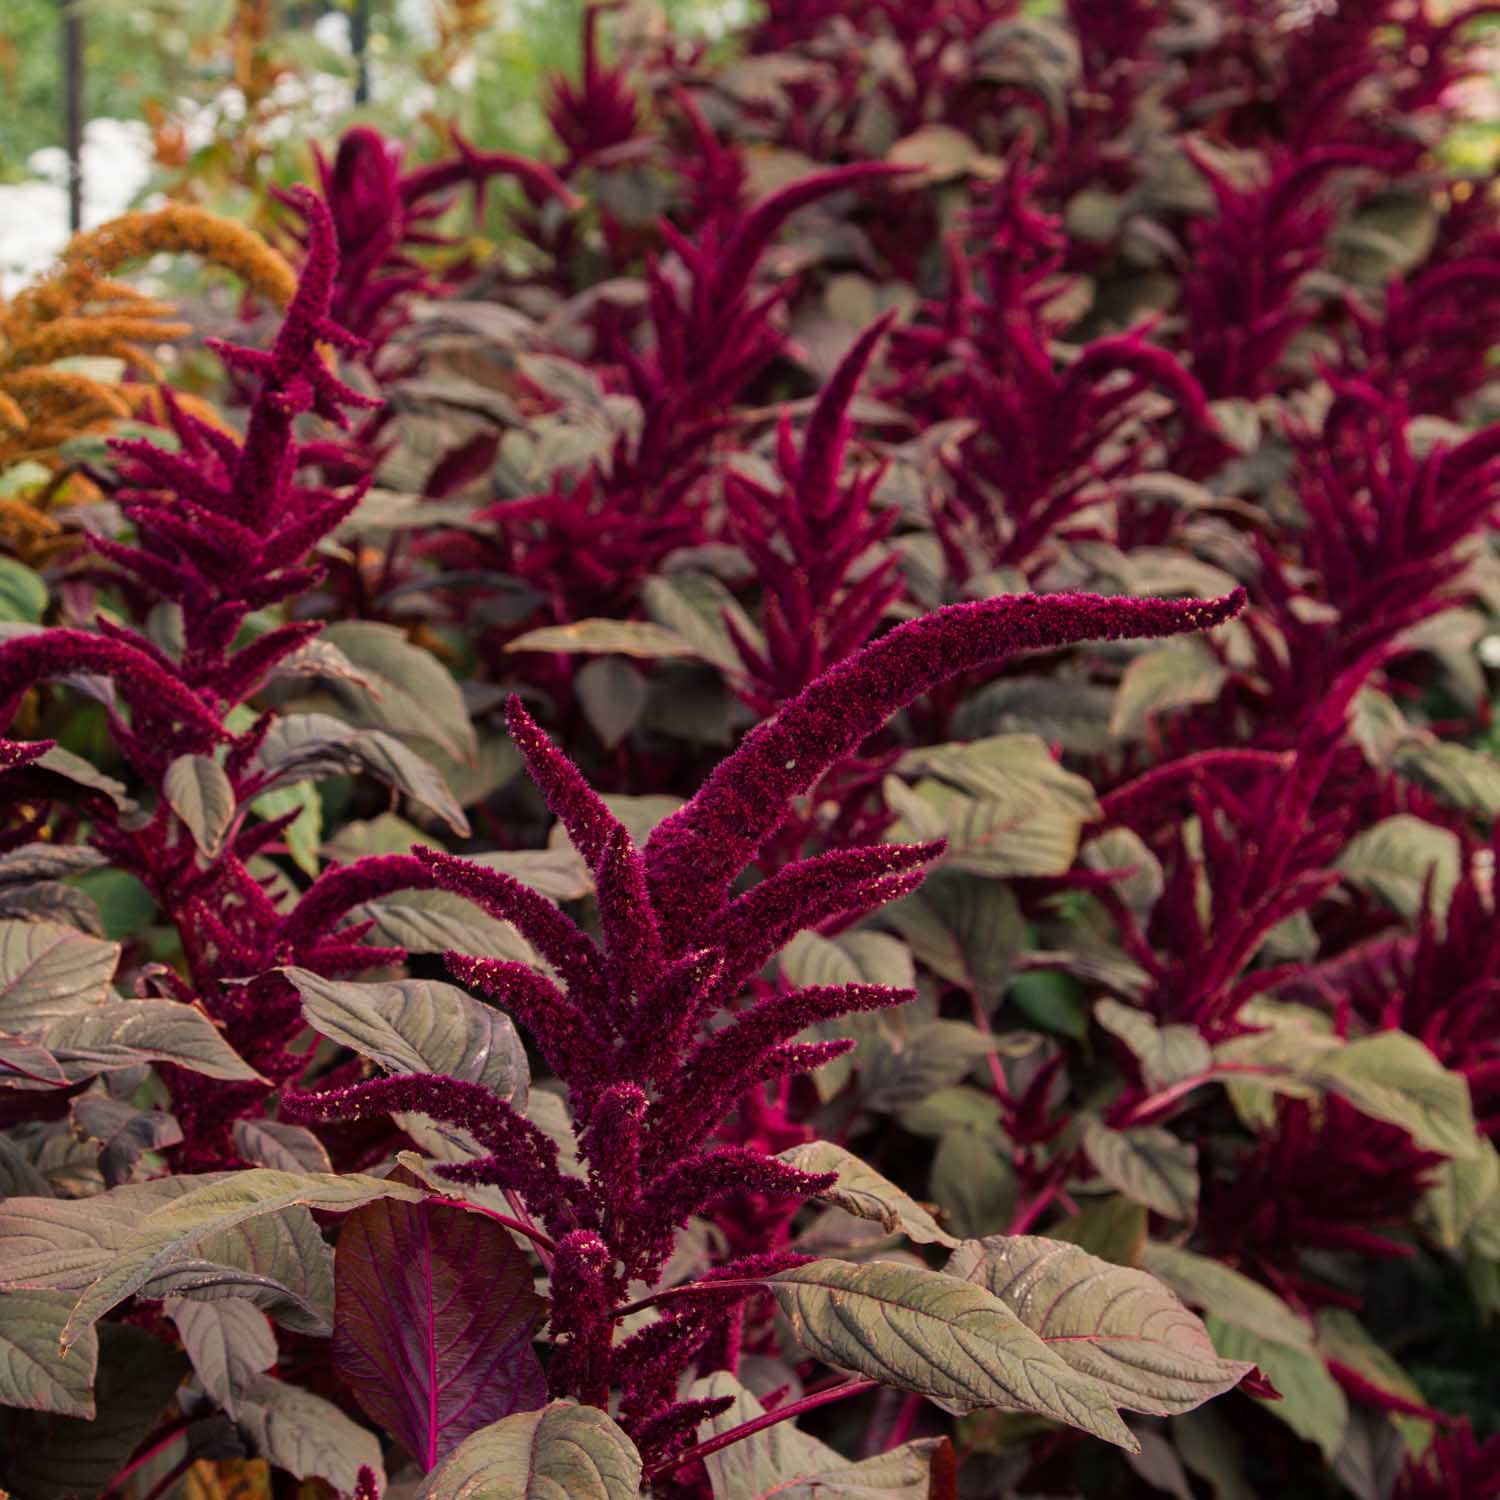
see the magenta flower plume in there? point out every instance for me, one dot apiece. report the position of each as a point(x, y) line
point(805, 538)
point(625, 1025)
point(155, 694)
point(223, 525)
point(1330, 1179)
point(1455, 1466)
point(694, 854)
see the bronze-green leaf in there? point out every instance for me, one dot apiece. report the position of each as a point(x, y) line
point(1149, 1164)
point(863, 1192)
point(162, 1236)
point(938, 1336)
point(562, 1452)
point(1120, 1326)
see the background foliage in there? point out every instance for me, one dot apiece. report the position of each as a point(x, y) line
point(826, 742)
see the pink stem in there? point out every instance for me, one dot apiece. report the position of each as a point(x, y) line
point(544, 1242)
point(169, 1435)
point(691, 1289)
point(760, 1423)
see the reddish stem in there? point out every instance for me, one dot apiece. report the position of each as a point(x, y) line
point(691, 1289)
point(1155, 1104)
point(168, 1435)
point(760, 1423)
point(543, 1241)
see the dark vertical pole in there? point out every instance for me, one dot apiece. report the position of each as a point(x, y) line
point(72, 61)
point(359, 42)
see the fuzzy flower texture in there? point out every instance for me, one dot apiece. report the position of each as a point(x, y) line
point(628, 1026)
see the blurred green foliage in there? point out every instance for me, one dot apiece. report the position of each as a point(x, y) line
point(139, 50)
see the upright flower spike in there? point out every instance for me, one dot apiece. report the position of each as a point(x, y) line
point(647, 1090)
point(240, 522)
point(589, 823)
point(694, 854)
point(806, 535)
point(1239, 326)
point(599, 112)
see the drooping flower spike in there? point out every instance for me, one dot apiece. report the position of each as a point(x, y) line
point(695, 853)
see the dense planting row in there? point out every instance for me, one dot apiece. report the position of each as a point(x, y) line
point(824, 829)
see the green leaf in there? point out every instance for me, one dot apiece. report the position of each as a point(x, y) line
point(123, 1133)
point(1232, 1298)
point(304, 1434)
point(1182, 672)
point(693, 607)
point(318, 657)
point(1009, 768)
point(288, 1148)
point(1209, 1446)
point(50, 901)
point(781, 1462)
point(638, 638)
point(48, 971)
point(855, 958)
point(1463, 778)
point(1148, 1163)
point(33, 1374)
point(1020, 835)
point(1312, 1403)
point(65, 763)
point(126, 1032)
point(1396, 857)
point(944, 151)
point(940, 1337)
point(1343, 1337)
point(63, 1243)
point(1121, 1327)
point(199, 792)
point(921, 1057)
point(55, 1457)
point(23, 593)
point(1394, 1077)
point(437, 921)
point(1464, 1200)
point(402, 689)
point(973, 1182)
point(965, 929)
point(279, 1261)
point(230, 1342)
point(419, 1026)
point(164, 1234)
point(304, 833)
point(613, 697)
point(863, 1192)
point(559, 873)
point(125, 906)
point(1167, 1054)
point(303, 747)
point(1113, 1228)
point(386, 834)
point(562, 1452)
point(960, 1107)
point(1054, 1001)
point(1138, 873)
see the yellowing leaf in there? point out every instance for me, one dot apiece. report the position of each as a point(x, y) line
point(600, 637)
point(863, 1192)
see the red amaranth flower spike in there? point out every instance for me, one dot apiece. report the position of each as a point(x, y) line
point(695, 853)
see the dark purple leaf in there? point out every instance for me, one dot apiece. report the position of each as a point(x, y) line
point(434, 1310)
